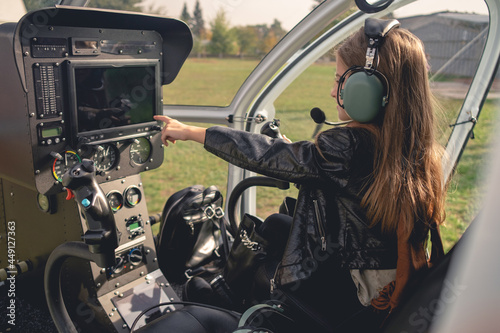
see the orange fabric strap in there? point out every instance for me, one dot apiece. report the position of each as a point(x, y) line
point(411, 259)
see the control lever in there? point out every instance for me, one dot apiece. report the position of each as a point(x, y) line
point(101, 236)
point(272, 129)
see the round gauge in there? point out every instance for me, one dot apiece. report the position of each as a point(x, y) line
point(132, 196)
point(105, 157)
point(140, 150)
point(115, 200)
point(63, 163)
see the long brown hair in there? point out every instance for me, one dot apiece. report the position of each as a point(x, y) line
point(407, 183)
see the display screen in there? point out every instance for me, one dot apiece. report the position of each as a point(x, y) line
point(50, 132)
point(133, 226)
point(108, 97)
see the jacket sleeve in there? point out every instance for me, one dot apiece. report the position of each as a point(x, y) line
point(297, 162)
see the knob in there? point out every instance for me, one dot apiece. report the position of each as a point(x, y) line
point(135, 256)
point(119, 265)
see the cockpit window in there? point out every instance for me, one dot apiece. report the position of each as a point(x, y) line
point(230, 39)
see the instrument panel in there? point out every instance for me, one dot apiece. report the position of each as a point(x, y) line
point(108, 158)
point(93, 105)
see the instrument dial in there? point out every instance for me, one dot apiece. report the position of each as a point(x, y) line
point(132, 196)
point(63, 163)
point(140, 150)
point(105, 157)
point(115, 200)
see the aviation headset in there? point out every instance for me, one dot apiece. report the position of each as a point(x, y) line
point(366, 90)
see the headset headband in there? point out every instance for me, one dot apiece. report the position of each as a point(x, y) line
point(375, 31)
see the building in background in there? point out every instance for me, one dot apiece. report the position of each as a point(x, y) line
point(453, 41)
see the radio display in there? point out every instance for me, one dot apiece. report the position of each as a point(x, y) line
point(109, 96)
point(51, 132)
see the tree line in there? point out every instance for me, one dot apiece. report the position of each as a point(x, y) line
point(223, 40)
point(217, 39)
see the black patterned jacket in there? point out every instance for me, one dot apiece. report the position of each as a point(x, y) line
point(331, 174)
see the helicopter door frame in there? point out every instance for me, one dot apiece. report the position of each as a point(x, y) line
point(477, 93)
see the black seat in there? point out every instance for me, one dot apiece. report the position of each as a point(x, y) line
point(423, 302)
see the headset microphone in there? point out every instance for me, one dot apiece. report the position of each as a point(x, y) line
point(318, 115)
point(319, 118)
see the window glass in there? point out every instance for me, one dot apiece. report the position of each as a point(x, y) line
point(208, 81)
point(230, 39)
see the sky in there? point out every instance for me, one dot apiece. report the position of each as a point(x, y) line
point(290, 12)
point(432, 6)
point(243, 12)
point(250, 12)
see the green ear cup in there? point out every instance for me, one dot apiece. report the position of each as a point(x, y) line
point(363, 96)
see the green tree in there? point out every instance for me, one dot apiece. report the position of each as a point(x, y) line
point(277, 29)
point(198, 30)
point(222, 38)
point(261, 30)
point(185, 16)
point(270, 41)
point(198, 22)
point(268, 36)
point(271, 36)
point(246, 39)
point(129, 5)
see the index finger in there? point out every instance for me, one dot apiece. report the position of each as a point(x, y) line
point(162, 118)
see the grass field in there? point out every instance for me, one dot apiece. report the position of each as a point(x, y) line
point(215, 81)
